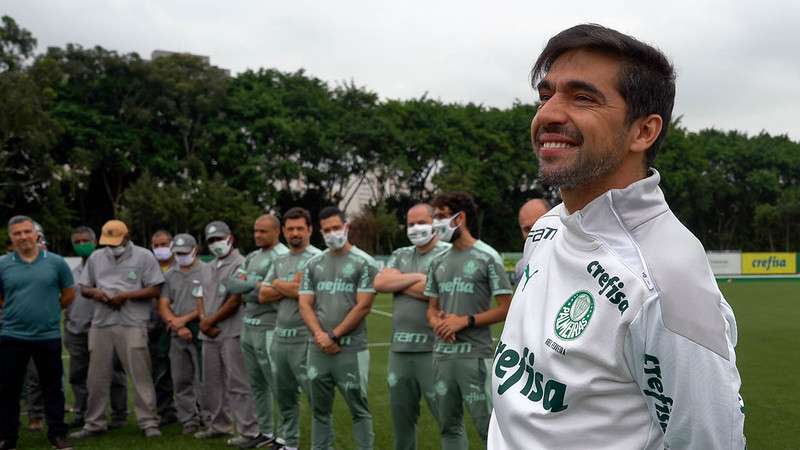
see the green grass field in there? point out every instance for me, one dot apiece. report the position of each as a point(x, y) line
point(768, 314)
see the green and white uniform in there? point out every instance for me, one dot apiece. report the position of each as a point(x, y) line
point(334, 281)
point(289, 347)
point(464, 282)
point(410, 358)
point(259, 323)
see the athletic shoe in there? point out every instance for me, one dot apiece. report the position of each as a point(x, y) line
point(259, 441)
point(152, 432)
point(8, 445)
point(84, 433)
point(209, 434)
point(60, 443)
point(36, 424)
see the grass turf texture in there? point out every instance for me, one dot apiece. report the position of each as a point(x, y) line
point(767, 314)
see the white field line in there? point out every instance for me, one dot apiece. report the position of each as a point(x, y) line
point(381, 313)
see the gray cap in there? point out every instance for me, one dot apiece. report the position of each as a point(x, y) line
point(218, 229)
point(183, 243)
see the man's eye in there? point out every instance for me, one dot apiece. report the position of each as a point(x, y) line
point(584, 98)
point(543, 98)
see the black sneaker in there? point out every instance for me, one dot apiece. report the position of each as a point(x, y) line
point(8, 445)
point(60, 443)
point(260, 441)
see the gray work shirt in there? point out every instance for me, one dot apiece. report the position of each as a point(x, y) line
point(215, 292)
point(78, 315)
point(136, 269)
point(179, 287)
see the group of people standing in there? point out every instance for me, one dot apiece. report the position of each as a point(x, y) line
point(245, 334)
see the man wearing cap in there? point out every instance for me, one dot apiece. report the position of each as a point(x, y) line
point(78, 318)
point(122, 279)
point(34, 286)
point(224, 377)
point(259, 321)
point(291, 338)
point(178, 309)
point(159, 336)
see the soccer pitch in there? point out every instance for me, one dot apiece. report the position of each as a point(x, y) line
point(767, 312)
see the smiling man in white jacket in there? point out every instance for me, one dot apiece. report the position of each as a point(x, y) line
point(617, 336)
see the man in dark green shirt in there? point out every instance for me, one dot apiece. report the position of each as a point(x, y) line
point(34, 286)
point(461, 284)
point(336, 294)
point(410, 359)
point(291, 337)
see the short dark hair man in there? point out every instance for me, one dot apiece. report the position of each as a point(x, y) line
point(619, 338)
point(77, 320)
point(410, 354)
point(291, 337)
point(460, 285)
point(34, 286)
point(335, 296)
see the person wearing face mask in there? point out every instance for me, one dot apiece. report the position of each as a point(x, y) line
point(291, 337)
point(122, 279)
point(225, 381)
point(259, 323)
point(178, 309)
point(460, 286)
point(335, 296)
point(410, 357)
point(77, 320)
point(159, 335)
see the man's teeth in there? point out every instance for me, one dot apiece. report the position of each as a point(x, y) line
point(555, 145)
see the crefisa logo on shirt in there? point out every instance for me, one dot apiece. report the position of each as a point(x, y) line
point(574, 315)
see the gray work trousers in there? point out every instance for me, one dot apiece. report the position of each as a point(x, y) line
point(225, 384)
point(78, 347)
point(185, 368)
point(130, 345)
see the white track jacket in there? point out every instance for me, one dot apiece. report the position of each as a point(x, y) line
point(618, 336)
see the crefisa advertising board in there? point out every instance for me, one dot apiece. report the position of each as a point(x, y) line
point(753, 263)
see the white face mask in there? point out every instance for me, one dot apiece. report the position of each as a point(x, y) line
point(444, 229)
point(162, 253)
point(420, 234)
point(336, 239)
point(184, 260)
point(118, 250)
point(220, 249)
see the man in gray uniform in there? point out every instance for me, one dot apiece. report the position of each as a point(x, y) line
point(461, 284)
point(122, 279)
point(178, 310)
point(78, 318)
point(291, 338)
point(224, 378)
point(410, 358)
point(336, 294)
point(259, 322)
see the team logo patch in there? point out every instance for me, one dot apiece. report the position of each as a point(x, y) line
point(470, 267)
point(211, 229)
point(392, 379)
point(574, 315)
point(180, 241)
point(221, 289)
point(348, 269)
point(441, 388)
point(131, 275)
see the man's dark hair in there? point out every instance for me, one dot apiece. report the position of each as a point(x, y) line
point(162, 232)
point(298, 213)
point(85, 230)
point(646, 79)
point(330, 211)
point(459, 201)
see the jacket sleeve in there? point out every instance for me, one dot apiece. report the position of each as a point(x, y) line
point(241, 281)
point(691, 391)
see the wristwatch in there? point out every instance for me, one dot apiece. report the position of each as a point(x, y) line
point(470, 321)
point(333, 337)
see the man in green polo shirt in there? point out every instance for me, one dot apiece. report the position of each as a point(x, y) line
point(336, 294)
point(410, 359)
point(35, 285)
point(291, 337)
point(259, 320)
point(461, 284)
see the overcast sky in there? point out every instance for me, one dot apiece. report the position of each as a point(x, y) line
point(738, 65)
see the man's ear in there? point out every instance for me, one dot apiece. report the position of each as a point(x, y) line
point(645, 131)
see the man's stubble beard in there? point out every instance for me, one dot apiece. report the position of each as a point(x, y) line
point(587, 167)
